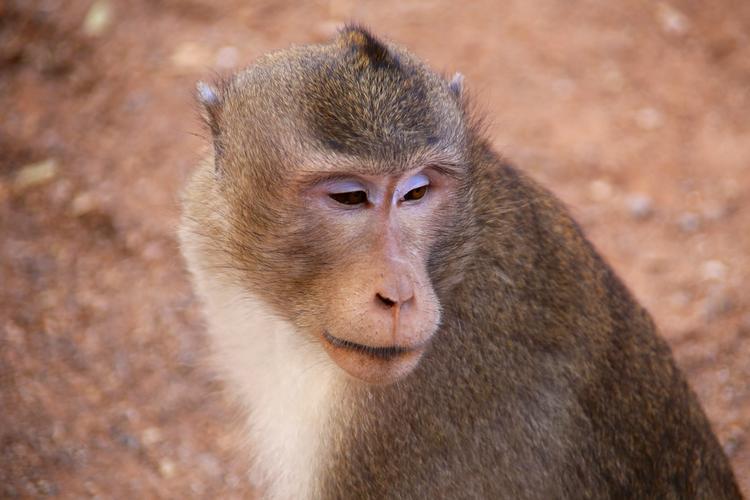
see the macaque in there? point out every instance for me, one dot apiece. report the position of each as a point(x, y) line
point(402, 314)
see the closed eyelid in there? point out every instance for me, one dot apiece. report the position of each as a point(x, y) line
point(414, 182)
point(344, 186)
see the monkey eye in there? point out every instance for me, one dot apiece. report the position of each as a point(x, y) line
point(350, 197)
point(416, 193)
point(416, 187)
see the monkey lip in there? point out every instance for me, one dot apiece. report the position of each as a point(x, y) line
point(376, 365)
point(381, 353)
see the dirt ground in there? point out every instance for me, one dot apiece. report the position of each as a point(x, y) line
point(636, 113)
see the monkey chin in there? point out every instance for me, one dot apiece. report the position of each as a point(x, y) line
point(373, 365)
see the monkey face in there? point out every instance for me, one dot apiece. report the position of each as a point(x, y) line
point(378, 309)
point(339, 177)
point(347, 264)
point(343, 249)
point(344, 254)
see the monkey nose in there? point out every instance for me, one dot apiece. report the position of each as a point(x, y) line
point(396, 295)
point(385, 300)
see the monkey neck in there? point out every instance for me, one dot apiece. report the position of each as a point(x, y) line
point(288, 388)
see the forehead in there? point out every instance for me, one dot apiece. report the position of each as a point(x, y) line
point(388, 111)
point(347, 111)
point(356, 111)
point(448, 162)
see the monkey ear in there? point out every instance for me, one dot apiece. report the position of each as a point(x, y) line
point(211, 104)
point(456, 85)
point(367, 47)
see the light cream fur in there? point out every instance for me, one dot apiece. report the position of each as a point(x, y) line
point(287, 384)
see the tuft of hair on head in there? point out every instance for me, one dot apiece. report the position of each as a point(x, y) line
point(456, 85)
point(368, 49)
point(211, 99)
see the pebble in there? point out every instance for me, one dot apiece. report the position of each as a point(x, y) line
point(714, 270)
point(672, 20)
point(151, 436)
point(190, 55)
point(734, 441)
point(640, 206)
point(98, 18)
point(564, 86)
point(600, 190)
point(689, 222)
point(680, 298)
point(227, 57)
point(14, 334)
point(613, 77)
point(210, 464)
point(83, 203)
point(649, 118)
point(46, 488)
point(327, 29)
point(167, 468)
point(58, 432)
point(717, 304)
point(714, 212)
point(35, 174)
point(153, 251)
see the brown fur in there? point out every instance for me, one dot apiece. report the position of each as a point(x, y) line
point(545, 379)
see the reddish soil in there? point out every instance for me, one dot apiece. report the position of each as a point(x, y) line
point(635, 113)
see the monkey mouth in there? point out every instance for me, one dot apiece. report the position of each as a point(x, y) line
point(382, 353)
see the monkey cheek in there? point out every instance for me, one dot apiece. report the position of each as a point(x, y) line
point(372, 369)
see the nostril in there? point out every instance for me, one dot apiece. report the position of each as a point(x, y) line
point(385, 300)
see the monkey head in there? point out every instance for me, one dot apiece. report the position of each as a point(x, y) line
point(339, 174)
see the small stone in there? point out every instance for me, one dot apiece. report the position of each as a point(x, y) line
point(672, 20)
point(717, 304)
point(231, 480)
point(58, 431)
point(153, 251)
point(126, 439)
point(714, 270)
point(649, 118)
point(680, 298)
point(640, 206)
point(82, 204)
point(151, 436)
point(613, 77)
point(210, 464)
point(91, 489)
point(227, 57)
point(97, 18)
point(197, 488)
point(46, 488)
point(167, 468)
point(689, 222)
point(30, 488)
point(564, 86)
point(327, 29)
point(714, 212)
point(14, 334)
point(600, 190)
point(131, 414)
point(35, 174)
point(190, 55)
point(734, 441)
point(60, 191)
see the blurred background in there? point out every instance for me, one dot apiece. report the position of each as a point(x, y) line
point(636, 113)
